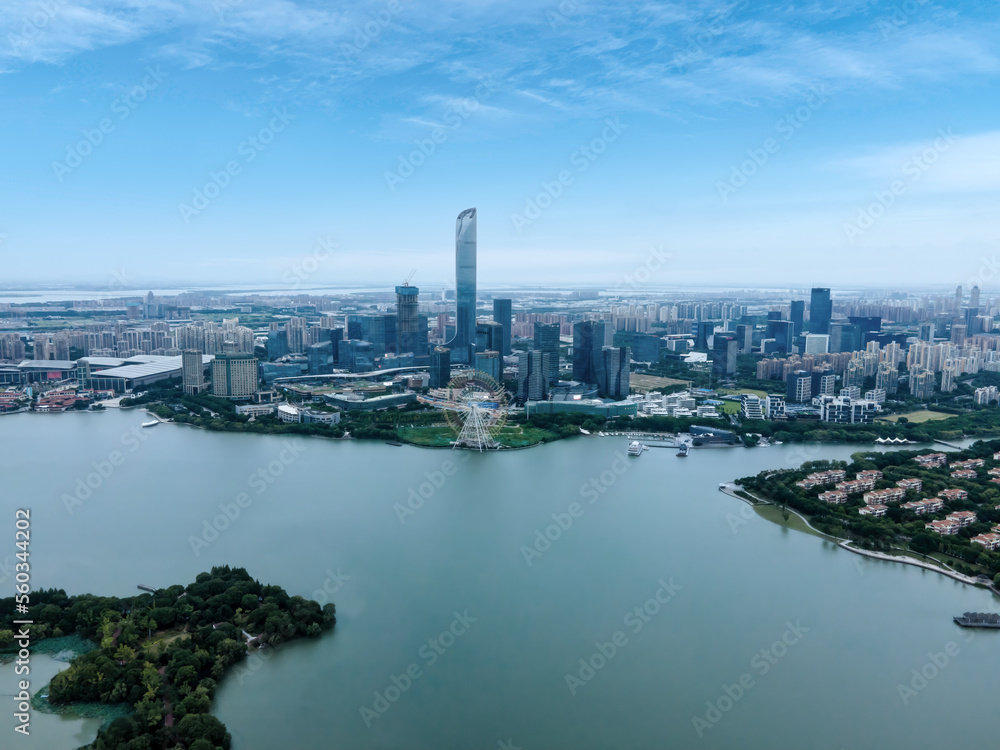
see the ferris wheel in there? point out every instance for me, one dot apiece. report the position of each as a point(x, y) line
point(475, 406)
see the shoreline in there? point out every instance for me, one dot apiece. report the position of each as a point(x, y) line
point(728, 488)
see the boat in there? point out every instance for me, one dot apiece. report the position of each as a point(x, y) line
point(151, 424)
point(682, 451)
point(979, 620)
point(635, 448)
point(393, 442)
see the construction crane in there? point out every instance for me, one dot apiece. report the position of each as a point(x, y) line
point(406, 281)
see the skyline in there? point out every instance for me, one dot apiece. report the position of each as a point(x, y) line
point(321, 129)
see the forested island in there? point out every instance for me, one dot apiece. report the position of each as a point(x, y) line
point(161, 655)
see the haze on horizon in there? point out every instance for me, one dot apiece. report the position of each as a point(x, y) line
point(743, 139)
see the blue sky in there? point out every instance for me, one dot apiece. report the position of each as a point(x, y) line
point(847, 143)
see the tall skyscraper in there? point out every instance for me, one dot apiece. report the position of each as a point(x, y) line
point(798, 315)
point(614, 380)
point(502, 314)
point(440, 367)
point(724, 348)
point(588, 341)
point(192, 372)
point(489, 336)
point(464, 341)
point(744, 338)
point(820, 310)
point(532, 375)
point(800, 386)
point(489, 362)
point(783, 333)
point(407, 319)
point(547, 340)
point(974, 297)
point(958, 297)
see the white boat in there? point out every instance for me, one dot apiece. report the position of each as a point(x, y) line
point(635, 448)
point(151, 424)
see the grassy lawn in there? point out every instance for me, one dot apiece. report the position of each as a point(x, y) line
point(772, 513)
point(518, 436)
point(646, 383)
point(917, 417)
point(729, 407)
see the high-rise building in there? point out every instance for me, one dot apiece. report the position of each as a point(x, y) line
point(407, 319)
point(744, 338)
point(489, 336)
point(783, 333)
point(800, 386)
point(817, 343)
point(356, 355)
point(234, 375)
point(614, 375)
point(502, 314)
point(926, 332)
point(798, 315)
point(703, 332)
point(974, 297)
point(319, 358)
point(958, 333)
point(489, 362)
point(887, 377)
point(532, 375)
point(820, 310)
point(845, 338)
point(192, 372)
point(922, 383)
point(588, 341)
point(547, 340)
point(464, 341)
point(724, 349)
point(440, 367)
point(958, 297)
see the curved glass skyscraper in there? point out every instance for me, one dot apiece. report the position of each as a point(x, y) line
point(463, 343)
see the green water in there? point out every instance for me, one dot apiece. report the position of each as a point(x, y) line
point(328, 517)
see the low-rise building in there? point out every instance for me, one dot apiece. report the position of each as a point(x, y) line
point(855, 486)
point(964, 474)
point(951, 495)
point(822, 478)
point(873, 510)
point(962, 518)
point(910, 483)
point(990, 541)
point(923, 507)
point(834, 497)
point(932, 460)
point(947, 528)
point(289, 414)
point(972, 463)
point(884, 497)
point(869, 474)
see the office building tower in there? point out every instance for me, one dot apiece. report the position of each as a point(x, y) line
point(704, 329)
point(724, 348)
point(845, 338)
point(783, 334)
point(926, 332)
point(797, 315)
point(958, 333)
point(319, 358)
point(489, 336)
point(974, 297)
point(464, 341)
point(423, 335)
point(588, 343)
point(820, 311)
point(234, 376)
point(490, 363)
point(502, 314)
point(800, 387)
point(958, 298)
point(407, 318)
point(532, 375)
point(614, 375)
point(192, 372)
point(824, 383)
point(744, 338)
point(356, 355)
point(547, 340)
point(646, 347)
point(440, 367)
point(296, 328)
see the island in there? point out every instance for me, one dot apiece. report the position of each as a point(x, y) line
point(155, 659)
point(930, 508)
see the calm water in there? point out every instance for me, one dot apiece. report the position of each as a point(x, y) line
point(326, 517)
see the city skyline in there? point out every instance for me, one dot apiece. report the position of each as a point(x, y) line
point(735, 137)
